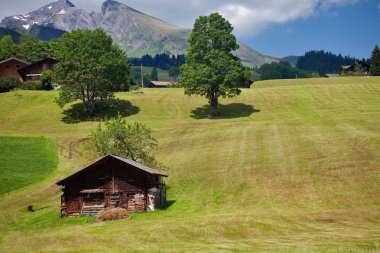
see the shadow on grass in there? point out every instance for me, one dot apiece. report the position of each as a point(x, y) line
point(167, 204)
point(230, 111)
point(102, 111)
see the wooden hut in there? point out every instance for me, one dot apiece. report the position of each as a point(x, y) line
point(10, 67)
point(359, 66)
point(33, 71)
point(158, 84)
point(112, 181)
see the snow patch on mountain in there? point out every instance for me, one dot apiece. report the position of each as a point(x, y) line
point(62, 12)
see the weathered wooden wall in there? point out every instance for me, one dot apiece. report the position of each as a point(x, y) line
point(9, 68)
point(123, 185)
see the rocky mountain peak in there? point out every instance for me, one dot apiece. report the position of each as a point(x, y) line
point(110, 5)
point(115, 6)
point(135, 32)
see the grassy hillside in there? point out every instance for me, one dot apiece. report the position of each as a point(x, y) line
point(24, 161)
point(291, 166)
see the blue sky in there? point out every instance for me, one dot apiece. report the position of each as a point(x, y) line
point(350, 30)
point(273, 27)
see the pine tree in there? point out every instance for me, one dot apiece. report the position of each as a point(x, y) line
point(375, 62)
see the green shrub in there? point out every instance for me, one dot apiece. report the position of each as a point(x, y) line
point(47, 80)
point(31, 86)
point(9, 83)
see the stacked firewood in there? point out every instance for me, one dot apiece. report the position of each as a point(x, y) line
point(139, 202)
point(136, 203)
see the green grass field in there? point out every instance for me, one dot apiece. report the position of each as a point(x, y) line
point(290, 166)
point(24, 161)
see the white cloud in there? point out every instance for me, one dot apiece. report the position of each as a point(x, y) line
point(251, 16)
point(248, 17)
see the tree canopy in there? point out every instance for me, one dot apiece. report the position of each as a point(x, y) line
point(7, 47)
point(91, 67)
point(375, 62)
point(134, 141)
point(154, 74)
point(324, 62)
point(211, 70)
point(281, 70)
point(174, 72)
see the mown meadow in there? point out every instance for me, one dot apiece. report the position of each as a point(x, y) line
point(289, 166)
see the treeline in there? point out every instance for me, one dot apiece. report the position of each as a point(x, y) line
point(161, 61)
point(282, 70)
point(29, 48)
point(324, 62)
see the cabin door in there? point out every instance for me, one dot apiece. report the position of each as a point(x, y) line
point(73, 206)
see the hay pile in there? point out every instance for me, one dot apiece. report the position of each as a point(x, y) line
point(112, 214)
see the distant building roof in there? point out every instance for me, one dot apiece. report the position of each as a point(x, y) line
point(122, 159)
point(160, 83)
point(16, 59)
point(331, 75)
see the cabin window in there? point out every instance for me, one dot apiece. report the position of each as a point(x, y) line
point(7, 66)
point(54, 66)
point(130, 195)
point(17, 66)
point(44, 66)
point(93, 197)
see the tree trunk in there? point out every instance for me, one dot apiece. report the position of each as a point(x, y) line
point(214, 106)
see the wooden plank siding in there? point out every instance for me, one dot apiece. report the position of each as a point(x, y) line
point(10, 67)
point(122, 184)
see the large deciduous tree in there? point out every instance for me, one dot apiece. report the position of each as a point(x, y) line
point(375, 62)
point(211, 70)
point(91, 68)
point(134, 141)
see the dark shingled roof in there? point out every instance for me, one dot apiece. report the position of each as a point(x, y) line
point(122, 159)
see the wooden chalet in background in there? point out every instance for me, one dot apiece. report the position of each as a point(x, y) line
point(33, 71)
point(10, 67)
point(112, 181)
point(357, 66)
point(158, 84)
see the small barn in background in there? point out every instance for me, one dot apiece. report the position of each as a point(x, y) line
point(112, 181)
point(158, 84)
point(33, 71)
point(10, 67)
point(330, 75)
point(359, 66)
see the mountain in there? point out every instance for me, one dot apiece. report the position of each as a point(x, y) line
point(46, 33)
point(291, 59)
point(7, 31)
point(135, 32)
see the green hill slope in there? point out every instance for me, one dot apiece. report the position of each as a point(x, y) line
point(24, 161)
point(292, 166)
